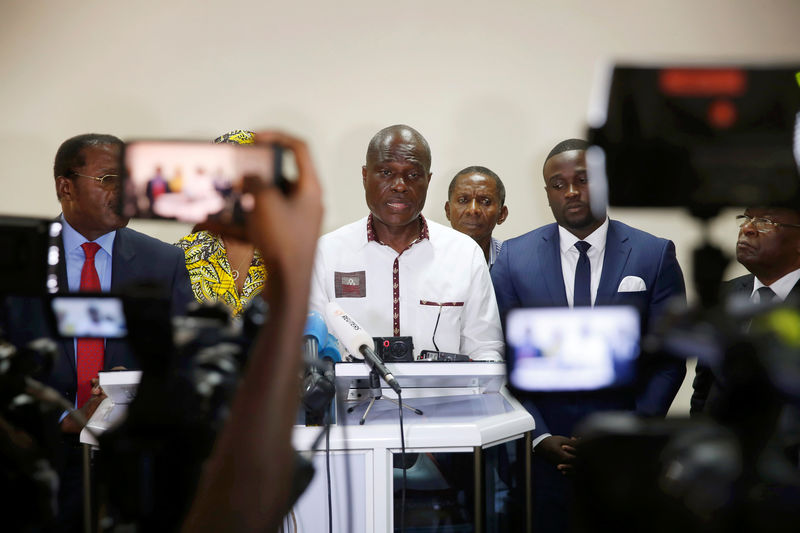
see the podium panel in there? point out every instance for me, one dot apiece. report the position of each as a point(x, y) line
point(465, 409)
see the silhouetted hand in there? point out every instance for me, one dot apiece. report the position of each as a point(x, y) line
point(560, 451)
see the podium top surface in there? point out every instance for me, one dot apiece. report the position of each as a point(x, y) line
point(479, 377)
point(453, 422)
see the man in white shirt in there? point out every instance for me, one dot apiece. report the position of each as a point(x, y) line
point(399, 274)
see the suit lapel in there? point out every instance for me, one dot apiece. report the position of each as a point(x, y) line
point(121, 274)
point(549, 254)
point(68, 345)
point(123, 254)
point(616, 256)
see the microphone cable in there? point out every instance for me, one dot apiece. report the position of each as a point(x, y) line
point(403, 462)
point(326, 434)
point(340, 410)
point(327, 422)
point(436, 327)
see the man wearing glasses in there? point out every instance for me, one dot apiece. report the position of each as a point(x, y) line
point(769, 247)
point(98, 254)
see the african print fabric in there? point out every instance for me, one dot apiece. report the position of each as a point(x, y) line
point(211, 274)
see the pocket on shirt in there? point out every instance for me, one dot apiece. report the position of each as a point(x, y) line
point(448, 331)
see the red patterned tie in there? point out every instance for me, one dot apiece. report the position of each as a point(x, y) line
point(90, 351)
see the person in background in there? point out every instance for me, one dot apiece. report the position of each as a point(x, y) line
point(247, 480)
point(585, 259)
point(475, 205)
point(400, 274)
point(224, 269)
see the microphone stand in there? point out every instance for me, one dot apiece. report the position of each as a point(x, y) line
point(375, 393)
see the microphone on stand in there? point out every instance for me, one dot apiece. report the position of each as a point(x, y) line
point(315, 336)
point(357, 341)
point(331, 350)
point(318, 386)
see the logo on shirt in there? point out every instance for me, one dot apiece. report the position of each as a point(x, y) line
point(350, 284)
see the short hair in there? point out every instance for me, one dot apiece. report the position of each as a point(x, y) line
point(70, 154)
point(483, 171)
point(566, 146)
point(390, 131)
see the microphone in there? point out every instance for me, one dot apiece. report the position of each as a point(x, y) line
point(315, 336)
point(318, 387)
point(331, 350)
point(357, 341)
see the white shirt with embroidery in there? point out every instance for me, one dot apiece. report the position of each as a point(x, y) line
point(444, 277)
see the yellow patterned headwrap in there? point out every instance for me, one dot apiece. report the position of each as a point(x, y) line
point(236, 137)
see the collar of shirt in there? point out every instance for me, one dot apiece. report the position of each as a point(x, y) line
point(781, 288)
point(372, 235)
point(494, 250)
point(570, 255)
point(74, 256)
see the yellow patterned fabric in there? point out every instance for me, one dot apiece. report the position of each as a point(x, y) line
point(210, 272)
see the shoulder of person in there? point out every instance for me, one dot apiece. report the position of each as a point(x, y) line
point(531, 237)
point(634, 234)
point(352, 233)
point(442, 236)
point(143, 241)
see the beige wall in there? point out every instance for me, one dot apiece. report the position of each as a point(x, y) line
point(492, 83)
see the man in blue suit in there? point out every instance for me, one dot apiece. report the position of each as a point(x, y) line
point(86, 172)
point(549, 267)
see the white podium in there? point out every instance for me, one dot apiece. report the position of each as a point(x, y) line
point(466, 409)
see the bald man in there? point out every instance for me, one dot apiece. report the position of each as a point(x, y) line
point(399, 274)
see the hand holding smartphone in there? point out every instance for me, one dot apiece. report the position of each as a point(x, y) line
point(193, 181)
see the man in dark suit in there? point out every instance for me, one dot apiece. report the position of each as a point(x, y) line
point(549, 267)
point(98, 254)
point(769, 247)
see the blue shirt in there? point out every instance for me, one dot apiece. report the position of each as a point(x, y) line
point(74, 256)
point(74, 259)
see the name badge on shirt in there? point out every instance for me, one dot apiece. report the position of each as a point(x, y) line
point(350, 284)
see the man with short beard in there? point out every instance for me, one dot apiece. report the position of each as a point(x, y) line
point(585, 260)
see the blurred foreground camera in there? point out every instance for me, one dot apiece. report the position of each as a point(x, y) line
point(150, 465)
point(706, 137)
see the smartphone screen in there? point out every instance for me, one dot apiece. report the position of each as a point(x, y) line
point(563, 349)
point(192, 181)
point(89, 316)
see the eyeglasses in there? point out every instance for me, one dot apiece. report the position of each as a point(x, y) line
point(761, 224)
point(109, 180)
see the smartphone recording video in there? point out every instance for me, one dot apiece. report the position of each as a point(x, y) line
point(89, 316)
point(566, 349)
point(193, 181)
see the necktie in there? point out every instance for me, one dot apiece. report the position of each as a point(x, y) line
point(582, 295)
point(90, 352)
point(765, 295)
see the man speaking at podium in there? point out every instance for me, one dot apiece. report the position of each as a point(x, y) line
point(399, 274)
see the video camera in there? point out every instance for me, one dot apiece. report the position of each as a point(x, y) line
point(702, 138)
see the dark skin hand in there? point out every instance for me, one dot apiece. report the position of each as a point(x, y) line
point(69, 424)
point(560, 451)
point(246, 480)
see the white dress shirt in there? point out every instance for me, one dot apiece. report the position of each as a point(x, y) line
point(781, 288)
point(443, 277)
point(570, 255)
